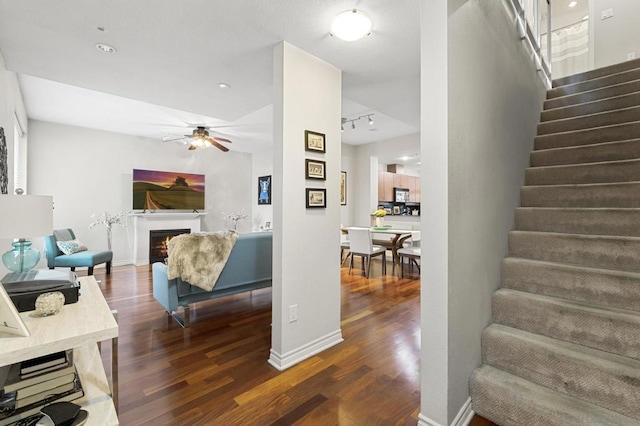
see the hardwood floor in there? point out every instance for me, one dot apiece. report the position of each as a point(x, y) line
point(216, 372)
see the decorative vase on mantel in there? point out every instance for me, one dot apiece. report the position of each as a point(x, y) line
point(379, 221)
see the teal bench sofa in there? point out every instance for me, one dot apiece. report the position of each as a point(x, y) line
point(88, 258)
point(248, 268)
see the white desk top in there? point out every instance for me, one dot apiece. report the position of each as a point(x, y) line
point(88, 320)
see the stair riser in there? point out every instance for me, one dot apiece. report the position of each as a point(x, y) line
point(614, 151)
point(588, 122)
point(626, 171)
point(508, 400)
point(597, 73)
point(594, 286)
point(605, 195)
point(598, 381)
point(621, 254)
point(619, 334)
point(599, 83)
point(619, 132)
point(625, 101)
point(594, 95)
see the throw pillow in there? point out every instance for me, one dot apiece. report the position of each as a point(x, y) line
point(71, 246)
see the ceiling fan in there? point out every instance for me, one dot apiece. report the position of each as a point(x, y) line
point(200, 138)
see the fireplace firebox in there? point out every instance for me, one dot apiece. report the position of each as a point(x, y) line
point(158, 240)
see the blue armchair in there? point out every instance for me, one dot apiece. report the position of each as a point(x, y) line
point(56, 258)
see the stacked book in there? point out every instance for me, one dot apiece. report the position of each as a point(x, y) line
point(30, 385)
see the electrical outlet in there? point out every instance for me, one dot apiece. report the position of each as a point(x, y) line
point(631, 55)
point(606, 14)
point(293, 313)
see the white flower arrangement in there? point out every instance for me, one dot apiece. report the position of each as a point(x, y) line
point(235, 217)
point(108, 221)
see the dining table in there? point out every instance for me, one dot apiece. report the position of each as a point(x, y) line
point(394, 243)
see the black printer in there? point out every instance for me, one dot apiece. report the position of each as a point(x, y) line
point(25, 287)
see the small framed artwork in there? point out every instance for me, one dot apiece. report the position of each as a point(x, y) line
point(267, 225)
point(314, 169)
point(316, 198)
point(264, 190)
point(396, 209)
point(314, 141)
point(343, 188)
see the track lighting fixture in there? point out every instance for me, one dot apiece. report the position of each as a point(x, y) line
point(353, 121)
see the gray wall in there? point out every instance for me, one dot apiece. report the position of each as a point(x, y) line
point(495, 97)
point(493, 102)
point(615, 37)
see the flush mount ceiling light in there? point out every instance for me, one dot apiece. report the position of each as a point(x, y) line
point(351, 25)
point(105, 48)
point(224, 86)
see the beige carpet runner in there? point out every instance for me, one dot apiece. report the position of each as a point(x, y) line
point(564, 346)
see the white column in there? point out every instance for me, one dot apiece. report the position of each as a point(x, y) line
point(306, 273)
point(434, 215)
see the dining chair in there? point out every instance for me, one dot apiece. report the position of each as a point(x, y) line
point(344, 245)
point(361, 245)
point(412, 254)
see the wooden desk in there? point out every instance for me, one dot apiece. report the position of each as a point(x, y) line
point(77, 326)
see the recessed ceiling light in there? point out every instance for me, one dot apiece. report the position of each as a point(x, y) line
point(573, 3)
point(105, 48)
point(224, 86)
point(351, 25)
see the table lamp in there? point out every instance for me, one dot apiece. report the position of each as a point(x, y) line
point(21, 217)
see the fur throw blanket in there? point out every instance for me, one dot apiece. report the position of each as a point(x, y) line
point(199, 259)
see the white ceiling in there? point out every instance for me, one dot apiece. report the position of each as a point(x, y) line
point(172, 54)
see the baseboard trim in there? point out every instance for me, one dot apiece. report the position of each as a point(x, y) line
point(463, 418)
point(291, 358)
point(464, 415)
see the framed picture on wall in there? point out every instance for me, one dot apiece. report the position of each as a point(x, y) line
point(264, 190)
point(314, 169)
point(343, 188)
point(316, 198)
point(314, 141)
point(4, 164)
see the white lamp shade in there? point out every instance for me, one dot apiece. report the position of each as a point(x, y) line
point(23, 216)
point(351, 25)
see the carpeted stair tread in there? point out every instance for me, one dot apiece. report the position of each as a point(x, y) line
point(593, 107)
point(601, 378)
point(603, 172)
point(597, 73)
point(594, 153)
point(511, 401)
point(597, 251)
point(608, 329)
point(593, 95)
point(593, 84)
point(583, 122)
point(588, 221)
point(614, 132)
point(614, 195)
point(600, 287)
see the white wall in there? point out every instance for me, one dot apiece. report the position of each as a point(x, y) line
point(90, 171)
point(11, 105)
point(305, 241)
point(616, 36)
point(262, 165)
point(493, 100)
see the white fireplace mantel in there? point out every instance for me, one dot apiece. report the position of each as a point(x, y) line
point(145, 222)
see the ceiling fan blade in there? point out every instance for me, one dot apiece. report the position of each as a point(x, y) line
point(192, 147)
point(172, 138)
point(217, 145)
point(219, 139)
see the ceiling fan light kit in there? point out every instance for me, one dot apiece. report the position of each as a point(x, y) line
point(351, 25)
point(200, 138)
